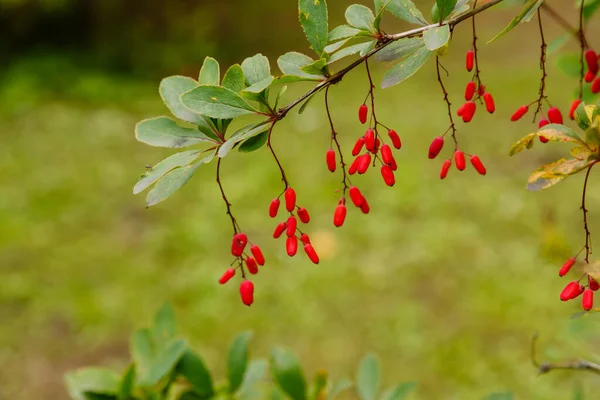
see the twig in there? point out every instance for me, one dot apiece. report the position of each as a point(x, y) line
point(447, 100)
point(543, 46)
point(588, 235)
point(544, 368)
point(345, 178)
point(227, 203)
point(583, 45)
point(283, 177)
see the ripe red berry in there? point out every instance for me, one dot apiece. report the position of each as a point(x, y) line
point(291, 226)
point(470, 60)
point(594, 285)
point(291, 246)
point(304, 238)
point(227, 275)
point(461, 110)
point(596, 85)
point(376, 147)
point(274, 208)
point(238, 244)
point(247, 292)
point(395, 139)
point(354, 166)
point(303, 215)
point(459, 159)
point(589, 76)
point(571, 291)
point(363, 165)
point(519, 113)
point(445, 167)
point(543, 122)
point(388, 175)
point(592, 60)
point(362, 113)
point(555, 116)
point(356, 196)
point(290, 199)
point(370, 139)
point(360, 143)
point(566, 266)
point(436, 147)
point(490, 106)
point(470, 90)
point(339, 216)
point(258, 255)
point(469, 111)
point(476, 162)
point(481, 90)
point(574, 106)
point(588, 299)
point(365, 207)
point(251, 265)
point(386, 155)
point(311, 253)
point(279, 229)
point(330, 159)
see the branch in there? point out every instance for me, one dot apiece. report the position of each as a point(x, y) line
point(544, 368)
point(447, 101)
point(588, 235)
point(227, 203)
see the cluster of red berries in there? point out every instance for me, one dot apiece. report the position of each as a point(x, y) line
point(459, 158)
point(554, 116)
point(238, 246)
point(467, 110)
point(591, 59)
point(575, 289)
point(339, 216)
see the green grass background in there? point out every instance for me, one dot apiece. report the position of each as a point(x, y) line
point(446, 280)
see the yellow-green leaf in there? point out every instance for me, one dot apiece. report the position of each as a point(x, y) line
point(560, 133)
point(550, 174)
point(525, 142)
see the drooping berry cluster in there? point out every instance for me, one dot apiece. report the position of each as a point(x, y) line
point(591, 76)
point(475, 90)
point(553, 116)
point(575, 289)
point(459, 158)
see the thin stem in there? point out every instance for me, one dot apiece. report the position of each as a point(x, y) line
point(544, 368)
point(588, 235)
point(227, 203)
point(583, 45)
point(447, 100)
point(283, 177)
point(372, 94)
point(345, 178)
point(542, 91)
point(477, 77)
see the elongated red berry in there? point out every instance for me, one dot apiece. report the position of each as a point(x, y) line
point(363, 165)
point(393, 164)
point(227, 275)
point(594, 285)
point(356, 196)
point(478, 165)
point(469, 111)
point(592, 60)
point(589, 76)
point(481, 90)
point(566, 266)
point(274, 208)
point(574, 106)
point(435, 147)
point(386, 154)
point(459, 159)
point(543, 122)
point(395, 139)
point(303, 215)
point(461, 110)
point(388, 175)
point(279, 229)
point(370, 139)
point(358, 146)
point(292, 223)
point(365, 207)
point(587, 302)
point(330, 159)
point(376, 147)
point(354, 166)
point(596, 85)
point(519, 113)
point(258, 255)
point(311, 253)
point(251, 265)
point(291, 246)
point(304, 238)
point(470, 90)
point(470, 60)
point(571, 291)
point(490, 106)
point(247, 292)
point(445, 168)
point(555, 116)
point(339, 216)
point(290, 199)
point(362, 113)
point(238, 244)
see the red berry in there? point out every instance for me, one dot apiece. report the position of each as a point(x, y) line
point(588, 299)
point(543, 122)
point(543, 139)
point(238, 244)
point(279, 229)
point(395, 139)
point(489, 103)
point(304, 238)
point(566, 266)
point(251, 265)
point(356, 196)
point(354, 166)
point(258, 255)
point(290, 199)
point(376, 148)
point(470, 60)
point(596, 85)
point(555, 116)
point(311, 253)
point(461, 110)
point(469, 111)
point(291, 226)
point(339, 216)
point(574, 106)
point(365, 207)
point(571, 291)
point(470, 91)
point(330, 159)
point(436, 147)
point(303, 215)
point(388, 175)
point(291, 246)
point(274, 208)
point(227, 275)
point(592, 60)
point(594, 285)
point(481, 90)
point(459, 159)
point(386, 155)
point(445, 167)
point(589, 76)
point(247, 292)
point(519, 113)
point(362, 113)
point(363, 165)
point(358, 146)
point(370, 139)
point(476, 162)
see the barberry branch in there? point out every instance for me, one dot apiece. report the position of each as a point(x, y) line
point(542, 90)
point(561, 21)
point(372, 95)
point(447, 101)
point(283, 177)
point(544, 368)
point(345, 179)
point(227, 203)
point(475, 51)
point(588, 235)
point(583, 45)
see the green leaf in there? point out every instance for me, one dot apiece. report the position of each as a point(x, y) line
point(445, 7)
point(399, 392)
point(582, 117)
point(259, 87)
point(319, 386)
point(581, 152)
point(592, 137)
point(332, 48)
point(368, 377)
point(254, 143)
point(406, 11)
point(559, 133)
point(279, 96)
point(164, 362)
point(142, 351)
point(244, 133)
point(165, 327)
point(164, 132)
point(127, 384)
point(313, 18)
point(405, 68)
point(550, 174)
point(343, 32)
point(190, 395)
point(437, 37)
point(216, 102)
point(170, 90)
point(209, 73)
point(166, 165)
point(193, 368)
point(237, 360)
point(589, 8)
point(398, 49)
point(288, 374)
point(291, 64)
point(461, 7)
point(530, 7)
point(91, 380)
point(317, 67)
point(339, 387)
point(525, 142)
point(173, 181)
point(350, 50)
point(256, 69)
point(360, 17)
point(234, 79)
point(569, 64)
point(255, 373)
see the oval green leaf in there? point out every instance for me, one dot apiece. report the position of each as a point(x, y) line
point(398, 49)
point(399, 392)
point(127, 384)
point(551, 174)
point(234, 79)
point(360, 17)
point(210, 72)
point(91, 380)
point(445, 7)
point(313, 18)
point(437, 37)
point(368, 378)
point(406, 11)
point(405, 68)
point(193, 368)
point(288, 374)
point(254, 143)
point(216, 102)
point(292, 63)
point(165, 362)
point(163, 167)
point(256, 69)
point(164, 132)
point(244, 133)
point(237, 360)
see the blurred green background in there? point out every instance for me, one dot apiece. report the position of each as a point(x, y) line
point(446, 280)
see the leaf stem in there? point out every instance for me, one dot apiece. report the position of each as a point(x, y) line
point(227, 203)
point(345, 178)
point(447, 101)
point(588, 235)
